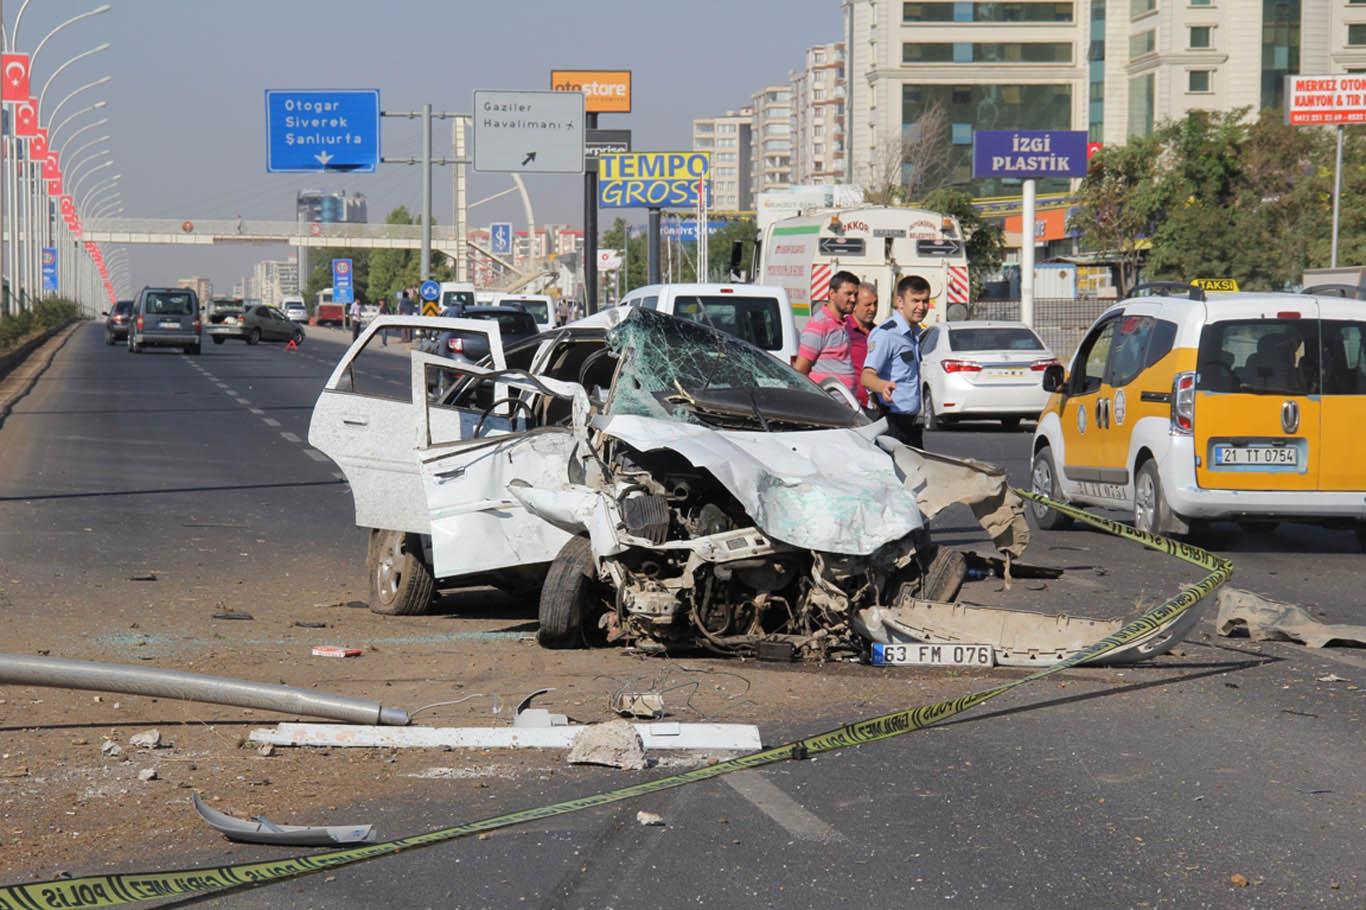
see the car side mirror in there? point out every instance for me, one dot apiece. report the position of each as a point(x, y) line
point(1053, 378)
point(104, 312)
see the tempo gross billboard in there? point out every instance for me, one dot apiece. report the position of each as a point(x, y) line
point(604, 91)
point(1325, 100)
point(652, 179)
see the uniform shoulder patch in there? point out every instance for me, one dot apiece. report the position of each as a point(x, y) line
point(889, 325)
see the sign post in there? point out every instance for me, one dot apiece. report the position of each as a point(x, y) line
point(1028, 155)
point(1327, 101)
point(604, 92)
point(343, 285)
point(312, 131)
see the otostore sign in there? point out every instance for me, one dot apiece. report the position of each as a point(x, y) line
point(1029, 154)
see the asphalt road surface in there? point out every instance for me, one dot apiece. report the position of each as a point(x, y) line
point(1147, 787)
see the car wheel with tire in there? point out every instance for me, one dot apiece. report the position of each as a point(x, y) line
point(298, 338)
point(218, 339)
point(931, 420)
point(944, 576)
point(571, 599)
point(1150, 506)
point(192, 349)
point(1361, 536)
point(401, 582)
point(108, 337)
point(254, 336)
point(1044, 481)
point(134, 347)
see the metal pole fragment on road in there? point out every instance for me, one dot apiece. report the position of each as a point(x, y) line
point(1337, 201)
point(1027, 255)
point(590, 231)
point(652, 248)
point(425, 257)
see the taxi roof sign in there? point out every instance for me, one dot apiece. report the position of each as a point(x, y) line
point(1216, 284)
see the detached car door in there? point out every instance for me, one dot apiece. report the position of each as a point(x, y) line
point(367, 421)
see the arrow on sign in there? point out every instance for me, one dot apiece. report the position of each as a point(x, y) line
point(323, 158)
point(530, 157)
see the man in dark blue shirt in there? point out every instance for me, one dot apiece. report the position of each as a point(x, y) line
point(892, 369)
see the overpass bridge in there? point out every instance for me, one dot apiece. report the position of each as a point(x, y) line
point(233, 231)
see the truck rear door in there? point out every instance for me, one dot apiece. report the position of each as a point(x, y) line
point(1342, 329)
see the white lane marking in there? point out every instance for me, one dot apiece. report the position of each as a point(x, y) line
point(270, 421)
point(290, 437)
point(316, 455)
point(783, 809)
point(242, 401)
point(257, 411)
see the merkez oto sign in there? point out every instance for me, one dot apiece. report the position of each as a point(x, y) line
point(652, 179)
point(311, 131)
point(1029, 154)
point(343, 282)
point(1325, 100)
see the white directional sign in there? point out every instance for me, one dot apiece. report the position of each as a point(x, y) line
point(528, 132)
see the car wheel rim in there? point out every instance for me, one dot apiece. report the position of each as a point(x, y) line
point(1145, 503)
point(387, 571)
point(1043, 482)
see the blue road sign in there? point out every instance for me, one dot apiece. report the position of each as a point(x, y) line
point(311, 131)
point(429, 290)
point(687, 230)
point(49, 268)
point(343, 285)
point(500, 238)
point(1029, 154)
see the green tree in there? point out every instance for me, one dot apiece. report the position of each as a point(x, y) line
point(985, 240)
point(1117, 204)
point(393, 270)
point(320, 269)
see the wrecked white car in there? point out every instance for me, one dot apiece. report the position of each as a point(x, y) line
point(658, 482)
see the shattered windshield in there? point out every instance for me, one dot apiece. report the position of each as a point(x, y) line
point(680, 370)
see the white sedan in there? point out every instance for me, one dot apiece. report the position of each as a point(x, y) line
point(980, 370)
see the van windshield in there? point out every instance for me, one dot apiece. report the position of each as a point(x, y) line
point(538, 309)
point(459, 299)
point(758, 320)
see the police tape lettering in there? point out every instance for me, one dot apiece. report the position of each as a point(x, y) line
point(128, 888)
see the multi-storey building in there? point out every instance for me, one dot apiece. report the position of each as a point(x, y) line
point(202, 287)
point(771, 139)
point(818, 116)
point(272, 279)
point(729, 139)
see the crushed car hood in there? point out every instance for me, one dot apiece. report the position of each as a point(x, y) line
point(832, 491)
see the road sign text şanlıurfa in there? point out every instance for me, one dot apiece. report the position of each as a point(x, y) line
point(322, 130)
point(652, 179)
point(528, 132)
point(1029, 154)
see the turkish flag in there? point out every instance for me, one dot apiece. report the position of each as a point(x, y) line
point(54, 187)
point(1092, 148)
point(50, 169)
point(26, 119)
point(37, 146)
point(15, 83)
point(68, 206)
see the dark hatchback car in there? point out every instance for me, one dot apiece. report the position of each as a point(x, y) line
point(165, 317)
point(514, 325)
point(117, 320)
point(253, 325)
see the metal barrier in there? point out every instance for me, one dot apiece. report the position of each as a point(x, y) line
point(1059, 321)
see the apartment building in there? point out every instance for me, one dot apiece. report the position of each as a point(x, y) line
point(771, 139)
point(728, 138)
point(818, 116)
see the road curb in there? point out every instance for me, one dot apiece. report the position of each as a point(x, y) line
point(39, 352)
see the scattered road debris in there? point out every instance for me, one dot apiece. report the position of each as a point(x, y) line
point(111, 748)
point(300, 624)
point(647, 705)
point(147, 774)
point(615, 744)
point(1238, 880)
point(150, 576)
point(1331, 678)
point(260, 830)
point(27, 670)
point(528, 717)
point(334, 651)
point(656, 736)
point(649, 819)
point(148, 739)
point(233, 614)
point(1271, 620)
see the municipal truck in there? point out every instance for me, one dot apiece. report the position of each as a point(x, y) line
point(880, 245)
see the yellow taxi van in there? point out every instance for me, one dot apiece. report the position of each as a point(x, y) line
point(1186, 408)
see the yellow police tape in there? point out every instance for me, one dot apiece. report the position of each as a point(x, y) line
point(127, 888)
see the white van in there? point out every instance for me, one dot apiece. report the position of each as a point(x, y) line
point(457, 294)
point(757, 313)
point(540, 306)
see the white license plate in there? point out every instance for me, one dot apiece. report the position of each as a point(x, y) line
point(942, 655)
point(170, 325)
point(1257, 455)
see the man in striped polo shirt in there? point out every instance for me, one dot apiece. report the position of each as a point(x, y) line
point(824, 352)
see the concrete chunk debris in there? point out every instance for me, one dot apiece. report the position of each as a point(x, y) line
point(147, 774)
point(147, 739)
point(647, 705)
point(111, 748)
point(701, 737)
point(649, 819)
point(260, 830)
point(615, 744)
point(1271, 620)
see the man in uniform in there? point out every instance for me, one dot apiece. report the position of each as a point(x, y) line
point(892, 370)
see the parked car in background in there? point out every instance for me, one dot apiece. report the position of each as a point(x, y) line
point(294, 308)
point(165, 317)
point(253, 325)
point(327, 312)
point(117, 320)
point(759, 314)
point(540, 306)
point(458, 294)
point(515, 326)
point(982, 370)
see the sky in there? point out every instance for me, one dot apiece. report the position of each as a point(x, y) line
point(187, 112)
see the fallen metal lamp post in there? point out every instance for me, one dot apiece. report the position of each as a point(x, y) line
point(25, 670)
